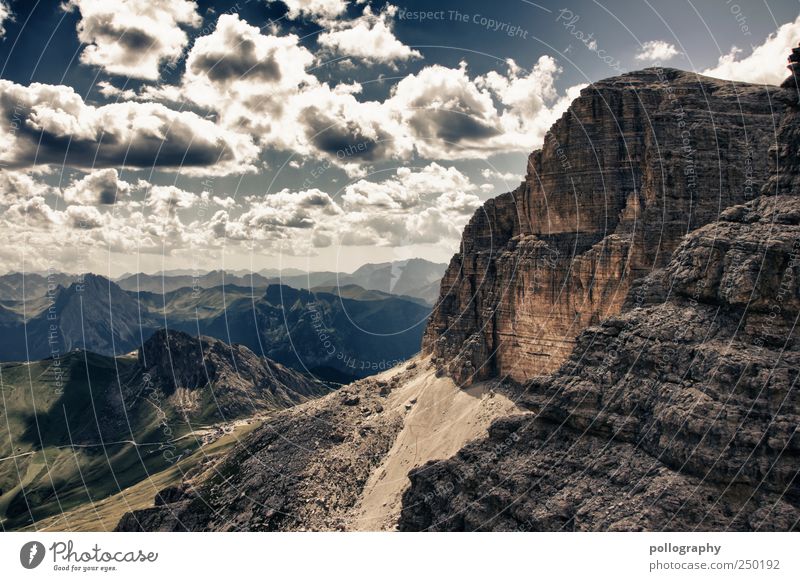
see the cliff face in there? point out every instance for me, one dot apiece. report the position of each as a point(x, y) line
point(679, 414)
point(636, 162)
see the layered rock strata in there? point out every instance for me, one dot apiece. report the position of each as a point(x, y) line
point(634, 164)
point(679, 414)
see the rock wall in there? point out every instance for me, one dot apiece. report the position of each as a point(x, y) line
point(679, 414)
point(637, 161)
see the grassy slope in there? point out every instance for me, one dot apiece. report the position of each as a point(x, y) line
point(67, 453)
point(105, 514)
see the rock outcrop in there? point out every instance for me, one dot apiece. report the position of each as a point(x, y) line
point(679, 414)
point(635, 163)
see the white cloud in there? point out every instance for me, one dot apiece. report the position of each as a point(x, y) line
point(51, 124)
point(5, 16)
point(247, 77)
point(166, 200)
point(133, 38)
point(273, 216)
point(765, 64)
point(99, 187)
point(406, 189)
point(314, 9)
point(84, 217)
point(369, 37)
point(491, 174)
point(18, 186)
point(656, 50)
point(258, 83)
point(110, 91)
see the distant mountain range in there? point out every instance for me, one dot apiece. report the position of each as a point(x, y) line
point(415, 278)
point(86, 425)
point(339, 333)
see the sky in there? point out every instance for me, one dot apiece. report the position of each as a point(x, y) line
point(145, 135)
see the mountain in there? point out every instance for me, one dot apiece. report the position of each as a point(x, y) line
point(92, 313)
point(84, 426)
point(693, 425)
point(607, 199)
point(329, 335)
point(16, 286)
point(337, 333)
point(337, 463)
point(614, 347)
point(169, 281)
point(416, 278)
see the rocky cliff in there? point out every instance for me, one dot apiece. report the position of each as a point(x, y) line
point(679, 414)
point(635, 163)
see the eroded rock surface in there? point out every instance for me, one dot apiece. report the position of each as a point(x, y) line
point(637, 161)
point(681, 413)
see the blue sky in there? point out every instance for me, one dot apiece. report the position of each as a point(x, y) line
point(141, 135)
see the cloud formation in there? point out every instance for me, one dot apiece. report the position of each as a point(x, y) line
point(100, 187)
point(5, 16)
point(766, 64)
point(369, 38)
point(133, 38)
point(51, 124)
point(656, 50)
point(314, 9)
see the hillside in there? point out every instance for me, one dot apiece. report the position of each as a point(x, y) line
point(85, 426)
point(691, 426)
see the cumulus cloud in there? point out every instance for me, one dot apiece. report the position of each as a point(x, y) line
point(314, 9)
point(369, 37)
point(51, 124)
point(167, 200)
point(406, 189)
point(99, 187)
point(110, 91)
point(133, 38)
point(425, 205)
point(84, 217)
point(18, 186)
point(444, 109)
point(5, 16)
point(450, 115)
point(40, 228)
point(248, 77)
point(766, 64)
point(271, 217)
point(656, 50)
point(492, 174)
point(258, 83)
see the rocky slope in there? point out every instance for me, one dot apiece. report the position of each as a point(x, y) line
point(679, 414)
point(206, 378)
point(337, 463)
point(636, 162)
